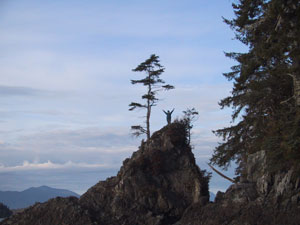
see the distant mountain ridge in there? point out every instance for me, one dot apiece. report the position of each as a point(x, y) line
point(23, 199)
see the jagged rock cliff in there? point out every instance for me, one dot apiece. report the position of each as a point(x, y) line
point(153, 187)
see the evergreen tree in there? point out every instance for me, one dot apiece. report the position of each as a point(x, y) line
point(153, 84)
point(190, 115)
point(266, 93)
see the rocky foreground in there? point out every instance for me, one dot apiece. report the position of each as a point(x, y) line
point(161, 185)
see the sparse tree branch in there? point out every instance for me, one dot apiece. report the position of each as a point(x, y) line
point(190, 116)
point(134, 105)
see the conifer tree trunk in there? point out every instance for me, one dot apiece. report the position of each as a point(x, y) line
point(148, 120)
point(148, 111)
point(148, 123)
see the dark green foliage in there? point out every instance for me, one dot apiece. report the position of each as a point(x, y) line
point(265, 96)
point(190, 116)
point(4, 211)
point(153, 83)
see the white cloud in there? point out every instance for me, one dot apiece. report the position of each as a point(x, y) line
point(50, 166)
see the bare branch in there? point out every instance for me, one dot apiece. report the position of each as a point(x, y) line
point(221, 174)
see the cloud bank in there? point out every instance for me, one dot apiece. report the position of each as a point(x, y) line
point(50, 165)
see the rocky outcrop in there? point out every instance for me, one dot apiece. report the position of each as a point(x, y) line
point(263, 198)
point(281, 188)
point(153, 187)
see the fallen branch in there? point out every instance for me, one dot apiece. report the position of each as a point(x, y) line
point(221, 174)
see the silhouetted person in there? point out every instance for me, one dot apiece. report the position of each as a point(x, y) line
point(168, 113)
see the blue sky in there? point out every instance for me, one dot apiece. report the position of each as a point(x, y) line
point(65, 71)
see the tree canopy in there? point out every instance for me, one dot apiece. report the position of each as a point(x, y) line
point(266, 85)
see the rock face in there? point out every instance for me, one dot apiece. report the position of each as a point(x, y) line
point(263, 198)
point(153, 187)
